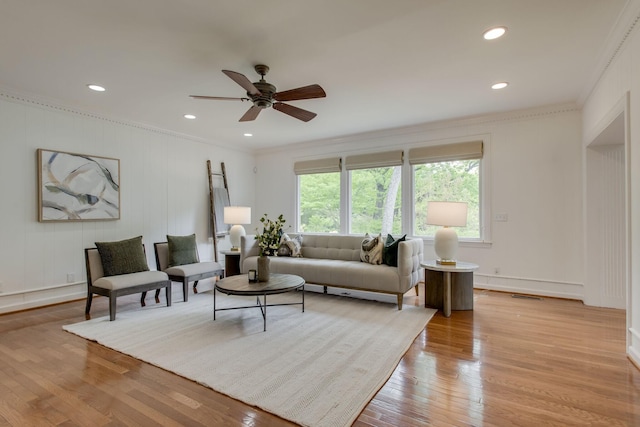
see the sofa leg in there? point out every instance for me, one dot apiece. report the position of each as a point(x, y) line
point(400, 298)
point(417, 294)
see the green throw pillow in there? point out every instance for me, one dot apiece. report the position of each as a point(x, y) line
point(182, 250)
point(390, 251)
point(122, 257)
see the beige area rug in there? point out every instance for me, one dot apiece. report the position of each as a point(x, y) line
point(317, 368)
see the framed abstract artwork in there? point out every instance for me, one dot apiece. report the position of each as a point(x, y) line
point(77, 187)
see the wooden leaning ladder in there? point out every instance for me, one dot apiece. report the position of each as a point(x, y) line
point(212, 207)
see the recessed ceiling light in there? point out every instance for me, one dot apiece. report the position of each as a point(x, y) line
point(97, 88)
point(189, 116)
point(248, 134)
point(494, 33)
point(500, 85)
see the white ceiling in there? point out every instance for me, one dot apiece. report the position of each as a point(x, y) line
point(383, 63)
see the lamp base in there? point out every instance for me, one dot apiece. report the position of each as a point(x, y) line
point(234, 249)
point(446, 261)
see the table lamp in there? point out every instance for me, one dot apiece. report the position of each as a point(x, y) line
point(236, 216)
point(446, 214)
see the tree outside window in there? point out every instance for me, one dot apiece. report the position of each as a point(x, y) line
point(319, 203)
point(376, 204)
point(453, 181)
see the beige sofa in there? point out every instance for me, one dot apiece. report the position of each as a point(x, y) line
point(334, 260)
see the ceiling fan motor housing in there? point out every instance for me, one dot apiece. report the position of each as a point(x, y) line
point(265, 98)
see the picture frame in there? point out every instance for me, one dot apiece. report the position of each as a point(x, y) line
point(77, 187)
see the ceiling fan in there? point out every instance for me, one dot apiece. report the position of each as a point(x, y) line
point(264, 95)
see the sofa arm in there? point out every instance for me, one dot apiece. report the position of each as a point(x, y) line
point(409, 259)
point(248, 247)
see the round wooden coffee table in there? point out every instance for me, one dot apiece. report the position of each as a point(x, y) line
point(240, 285)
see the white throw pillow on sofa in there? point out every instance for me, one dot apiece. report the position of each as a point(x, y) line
point(371, 249)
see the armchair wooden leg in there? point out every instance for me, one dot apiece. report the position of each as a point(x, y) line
point(157, 296)
point(185, 289)
point(142, 299)
point(87, 308)
point(112, 307)
point(195, 290)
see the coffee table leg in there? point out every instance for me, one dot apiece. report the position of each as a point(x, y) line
point(214, 303)
point(303, 298)
point(264, 315)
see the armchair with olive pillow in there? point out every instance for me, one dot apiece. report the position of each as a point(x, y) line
point(178, 257)
point(120, 268)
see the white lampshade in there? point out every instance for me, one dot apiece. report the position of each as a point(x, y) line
point(447, 214)
point(237, 215)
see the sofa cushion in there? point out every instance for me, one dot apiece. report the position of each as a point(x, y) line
point(371, 249)
point(390, 251)
point(182, 250)
point(122, 257)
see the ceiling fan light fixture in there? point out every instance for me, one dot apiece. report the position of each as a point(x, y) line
point(500, 85)
point(96, 88)
point(494, 33)
point(189, 116)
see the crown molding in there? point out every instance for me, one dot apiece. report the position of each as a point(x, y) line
point(617, 40)
point(40, 102)
point(419, 130)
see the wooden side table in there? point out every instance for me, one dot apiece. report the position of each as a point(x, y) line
point(463, 294)
point(231, 263)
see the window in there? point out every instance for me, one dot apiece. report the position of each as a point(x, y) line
point(375, 200)
point(456, 181)
point(447, 173)
point(319, 195)
point(375, 204)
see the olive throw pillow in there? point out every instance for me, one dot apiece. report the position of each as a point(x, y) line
point(390, 252)
point(371, 249)
point(122, 257)
point(182, 250)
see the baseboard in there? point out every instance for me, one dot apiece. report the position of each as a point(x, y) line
point(17, 301)
point(633, 352)
point(521, 285)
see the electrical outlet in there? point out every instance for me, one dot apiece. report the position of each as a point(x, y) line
point(71, 277)
point(502, 217)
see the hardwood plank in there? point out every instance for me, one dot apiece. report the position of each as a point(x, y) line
point(510, 361)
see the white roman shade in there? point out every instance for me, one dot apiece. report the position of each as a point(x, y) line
point(444, 153)
point(375, 160)
point(333, 164)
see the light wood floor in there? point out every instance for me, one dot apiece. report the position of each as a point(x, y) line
point(511, 361)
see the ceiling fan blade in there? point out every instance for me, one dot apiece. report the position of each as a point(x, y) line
point(306, 92)
point(295, 112)
point(251, 114)
point(242, 81)
point(220, 98)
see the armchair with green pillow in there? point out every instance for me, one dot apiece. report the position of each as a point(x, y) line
point(120, 268)
point(178, 257)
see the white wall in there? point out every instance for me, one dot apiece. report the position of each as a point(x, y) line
point(164, 190)
point(622, 76)
point(534, 160)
